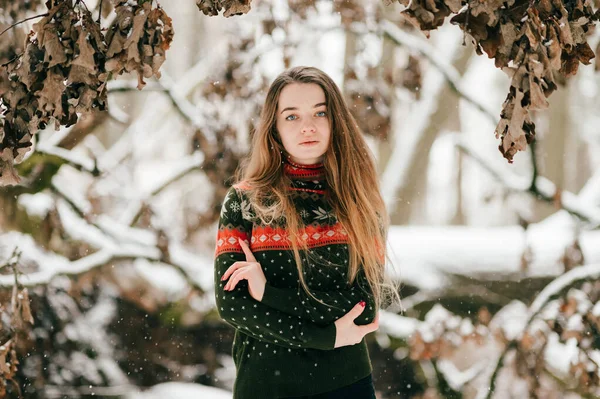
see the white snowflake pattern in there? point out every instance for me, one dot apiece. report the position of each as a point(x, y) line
point(235, 206)
point(322, 214)
point(225, 201)
point(246, 208)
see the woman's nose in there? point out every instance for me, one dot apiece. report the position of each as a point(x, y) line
point(308, 127)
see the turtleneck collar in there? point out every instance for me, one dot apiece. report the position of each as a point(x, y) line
point(305, 177)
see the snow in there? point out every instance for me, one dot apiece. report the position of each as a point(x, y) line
point(575, 323)
point(588, 272)
point(426, 256)
point(37, 205)
point(596, 309)
point(181, 390)
point(164, 277)
point(560, 356)
point(458, 378)
point(74, 156)
point(397, 326)
point(79, 229)
point(199, 267)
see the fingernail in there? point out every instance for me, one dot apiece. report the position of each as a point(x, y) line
point(362, 303)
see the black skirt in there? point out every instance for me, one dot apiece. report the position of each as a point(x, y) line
point(361, 389)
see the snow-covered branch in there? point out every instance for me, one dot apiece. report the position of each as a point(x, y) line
point(552, 290)
point(183, 167)
point(182, 104)
point(429, 257)
point(543, 188)
point(77, 161)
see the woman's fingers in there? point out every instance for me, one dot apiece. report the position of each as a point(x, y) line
point(249, 255)
point(235, 277)
point(369, 328)
point(232, 268)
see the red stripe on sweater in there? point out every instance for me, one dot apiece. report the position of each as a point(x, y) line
point(268, 238)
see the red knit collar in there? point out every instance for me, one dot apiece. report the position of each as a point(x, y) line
point(295, 170)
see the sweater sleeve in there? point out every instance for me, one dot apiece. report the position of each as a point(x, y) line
point(297, 302)
point(243, 312)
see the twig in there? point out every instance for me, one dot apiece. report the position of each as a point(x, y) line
point(20, 22)
point(534, 175)
point(16, 57)
point(100, 12)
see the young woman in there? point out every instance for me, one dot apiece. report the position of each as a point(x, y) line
point(300, 253)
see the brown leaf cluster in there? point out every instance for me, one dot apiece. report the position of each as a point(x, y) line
point(578, 317)
point(137, 40)
point(535, 42)
point(428, 15)
point(441, 336)
point(574, 317)
point(21, 321)
point(16, 9)
point(369, 100)
point(230, 7)
point(66, 63)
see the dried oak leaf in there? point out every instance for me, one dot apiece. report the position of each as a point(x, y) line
point(137, 40)
point(8, 174)
point(428, 15)
point(514, 127)
point(231, 7)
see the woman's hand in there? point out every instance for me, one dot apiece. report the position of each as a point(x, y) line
point(249, 270)
point(348, 333)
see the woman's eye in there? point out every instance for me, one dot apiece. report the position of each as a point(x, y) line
point(321, 113)
point(287, 118)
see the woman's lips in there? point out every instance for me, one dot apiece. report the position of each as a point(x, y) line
point(309, 143)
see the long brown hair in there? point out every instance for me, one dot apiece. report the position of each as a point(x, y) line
point(351, 178)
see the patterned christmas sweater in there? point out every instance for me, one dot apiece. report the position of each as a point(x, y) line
point(284, 344)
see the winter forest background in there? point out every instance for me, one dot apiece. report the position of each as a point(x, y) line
point(108, 219)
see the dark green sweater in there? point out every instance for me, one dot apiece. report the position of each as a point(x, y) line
point(284, 345)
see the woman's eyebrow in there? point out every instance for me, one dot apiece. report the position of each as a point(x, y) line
point(295, 108)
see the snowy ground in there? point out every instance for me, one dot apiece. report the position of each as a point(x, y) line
point(181, 390)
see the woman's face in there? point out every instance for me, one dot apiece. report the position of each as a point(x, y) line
point(302, 117)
